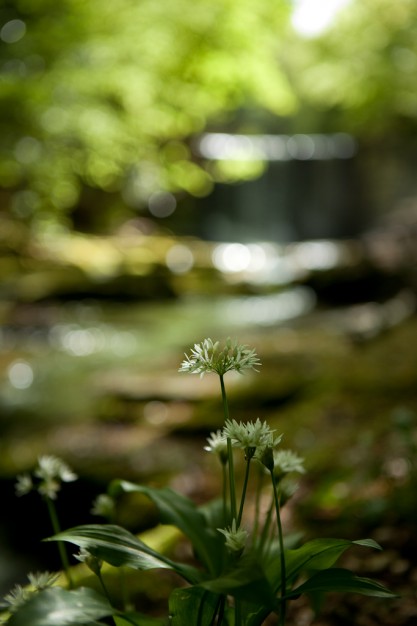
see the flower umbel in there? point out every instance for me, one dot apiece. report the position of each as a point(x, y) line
point(286, 462)
point(104, 505)
point(250, 435)
point(16, 598)
point(207, 357)
point(235, 537)
point(50, 473)
point(19, 595)
point(217, 444)
point(92, 562)
point(24, 484)
point(42, 580)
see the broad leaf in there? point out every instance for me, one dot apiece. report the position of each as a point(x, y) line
point(117, 546)
point(193, 606)
point(59, 607)
point(181, 512)
point(343, 580)
point(246, 581)
point(318, 554)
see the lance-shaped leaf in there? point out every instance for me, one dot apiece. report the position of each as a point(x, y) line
point(342, 580)
point(59, 607)
point(246, 581)
point(119, 547)
point(318, 554)
point(193, 605)
point(181, 512)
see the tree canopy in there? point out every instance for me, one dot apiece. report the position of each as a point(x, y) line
point(362, 68)
point(109, 95)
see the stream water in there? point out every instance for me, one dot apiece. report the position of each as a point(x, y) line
point(51, 363)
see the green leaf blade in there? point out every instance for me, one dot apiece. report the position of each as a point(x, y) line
point(179, 511)
point(193, 605)
point(118, 547)
point(344, 581)
point(59, 607)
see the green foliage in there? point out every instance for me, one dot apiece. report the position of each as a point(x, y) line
point(360, 70)
point(109, 95)
point(336, 579)
point(193, 605)
point(181, 512)
point(119, 547)
point(256, 569)
point(58, 607)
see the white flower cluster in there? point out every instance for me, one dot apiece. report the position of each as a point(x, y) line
point(49, 474)
point(217, 444)
point(93, 563)
point(255, 438)
point(19, 595)
point(206, 357)
point(250, 434)
point(235, 537)
point(287, 462)
point(104, 505)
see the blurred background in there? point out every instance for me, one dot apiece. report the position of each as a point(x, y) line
point(170, 172)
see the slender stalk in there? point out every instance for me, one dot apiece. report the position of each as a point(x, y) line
point(123, 588)
point(103, 586)
point(232, 487)
point(282, 613)
point(221, 611)
point(245, 485)
point(257, 504)
point(224, 489)
point(57, 529)
point(267, 526)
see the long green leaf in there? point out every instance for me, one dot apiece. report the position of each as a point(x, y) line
point(117, 546)
point(59, 607)
point(246, 581)
point(318, 554)
point(181, 512)
point(193, 606)
point(342, 580)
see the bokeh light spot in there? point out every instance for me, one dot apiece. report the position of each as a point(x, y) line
point(13, 31)
point(20, 374)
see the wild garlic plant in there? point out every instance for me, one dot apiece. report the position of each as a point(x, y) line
point(47, 480)
point(244, 569)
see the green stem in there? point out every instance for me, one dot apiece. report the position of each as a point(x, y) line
point(224, 473)
point(229, 454)
point(220, 613)
point(258, 504)
point(62, 552)
point(106, 593)
point(245, 485)
point(282, 553)
point(266, 527)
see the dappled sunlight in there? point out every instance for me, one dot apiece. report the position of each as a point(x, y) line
point(20, 374)
point(272, 309)
point(179, 259)
point(227, 147)
point(13, 31)
point(311, 18)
